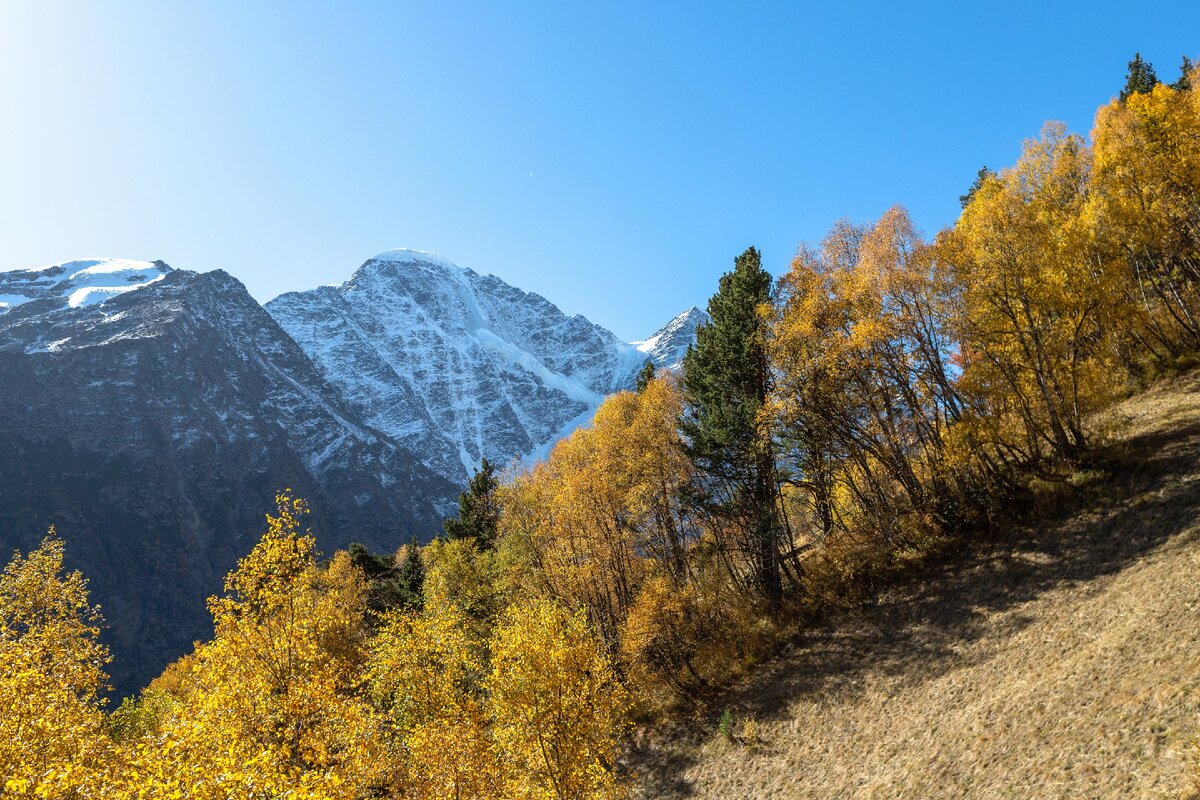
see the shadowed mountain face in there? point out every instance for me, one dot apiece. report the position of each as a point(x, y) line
point(459, 366)
point(152, 414)
point(154, 430)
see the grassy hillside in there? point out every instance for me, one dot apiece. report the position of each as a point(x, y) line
point(1059, 660)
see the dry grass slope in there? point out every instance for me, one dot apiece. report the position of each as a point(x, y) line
point(1056, 662)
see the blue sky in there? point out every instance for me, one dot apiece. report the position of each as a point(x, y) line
point(612, 157)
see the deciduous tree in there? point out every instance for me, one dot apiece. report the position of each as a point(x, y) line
point(53, 742)
point(557, 706)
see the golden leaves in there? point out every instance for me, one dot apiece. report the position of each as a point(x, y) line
point(52, 740)
point(269, 708)
point(557, 707)
point(605, 504)
point(294, 699)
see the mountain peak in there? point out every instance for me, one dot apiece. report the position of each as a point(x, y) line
point(667, 346)
point(455, 365)
point(409, 256)
point(692, 313)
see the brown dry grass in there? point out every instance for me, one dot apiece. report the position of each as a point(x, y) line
point(1061, 661)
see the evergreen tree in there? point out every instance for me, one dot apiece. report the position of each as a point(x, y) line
point(1141, 78)
point(981, 176)
point(645, 376)
point(373, 565)
point(390, 586)
point(1184, 83)
point(410, 577)
point(726, 378)
point(478, 510)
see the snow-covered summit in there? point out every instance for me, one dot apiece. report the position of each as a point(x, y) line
point(76, 284)
point(669, 343)
point(405, 255)
point(458, 366)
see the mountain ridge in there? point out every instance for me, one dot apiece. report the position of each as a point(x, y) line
point(154, 429)
point(152, 414)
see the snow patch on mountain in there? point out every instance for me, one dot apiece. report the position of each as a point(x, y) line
point(78, 284)
point(407, 256)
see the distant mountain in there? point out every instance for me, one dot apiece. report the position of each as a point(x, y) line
point(458, 366)
point(75, 284)
point(151, 414)
point(667, 347)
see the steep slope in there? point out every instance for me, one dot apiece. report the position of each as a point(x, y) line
point(459, 366)
point(1057, 662)
point(153, 426)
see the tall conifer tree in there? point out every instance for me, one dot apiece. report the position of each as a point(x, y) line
point(410, 577)
point(1141, 78)
point(647, 374)
point(1184, 83)
point(478, 510)
point(726, 378)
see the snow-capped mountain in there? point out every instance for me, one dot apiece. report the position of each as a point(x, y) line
point(459, 366)
point(667, 347)
point(152, 414)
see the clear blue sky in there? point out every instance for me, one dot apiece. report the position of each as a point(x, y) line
point(613, 157)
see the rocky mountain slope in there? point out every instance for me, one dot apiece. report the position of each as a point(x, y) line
point(459, 366)
point(151, 414)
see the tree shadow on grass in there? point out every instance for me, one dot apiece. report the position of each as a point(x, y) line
point(917, 629)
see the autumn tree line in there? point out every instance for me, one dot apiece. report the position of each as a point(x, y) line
point(872, 405)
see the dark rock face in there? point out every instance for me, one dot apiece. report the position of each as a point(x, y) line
point(155, 428)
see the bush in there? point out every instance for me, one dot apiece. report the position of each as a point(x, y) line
point(725, 726)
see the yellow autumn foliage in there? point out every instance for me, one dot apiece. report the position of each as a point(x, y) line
point(270, 710)
point(424, 672)
point(605, 504)
point(52, 729)
point(1145, 211)
point(556, 705)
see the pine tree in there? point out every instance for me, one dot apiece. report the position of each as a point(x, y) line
point(390, 585)
point(1184, 83)
point(1141, 78)
point(478, 511)
point(984, 173)
point(645, 376)
point(373, 565)
point(410, 577)
point(726, 378)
